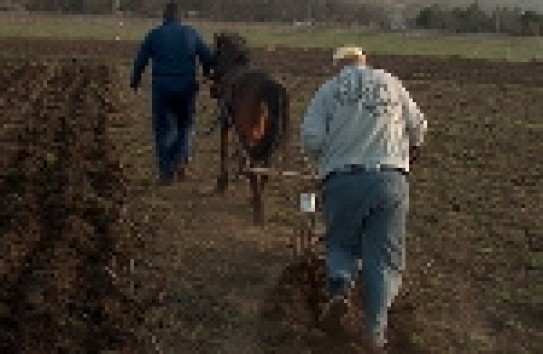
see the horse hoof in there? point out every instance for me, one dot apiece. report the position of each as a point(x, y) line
point(221, 187)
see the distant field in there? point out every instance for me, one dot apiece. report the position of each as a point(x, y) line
point(464, 46)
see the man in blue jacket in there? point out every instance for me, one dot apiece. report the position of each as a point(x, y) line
point(173, 47)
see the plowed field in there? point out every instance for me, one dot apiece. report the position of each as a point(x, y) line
point(96, 257)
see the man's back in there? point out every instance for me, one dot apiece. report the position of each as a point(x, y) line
point(369, 120)
point(173, 48)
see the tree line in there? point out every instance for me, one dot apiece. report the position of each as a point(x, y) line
point(230, 10)
point(473, 19)
point(363, 13)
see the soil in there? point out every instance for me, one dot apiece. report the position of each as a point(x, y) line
point(98, 257)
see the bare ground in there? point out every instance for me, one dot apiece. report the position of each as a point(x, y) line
point(474, 245)
point(451, 301)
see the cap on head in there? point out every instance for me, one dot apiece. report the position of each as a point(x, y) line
point(348, 53)
point(170, 11)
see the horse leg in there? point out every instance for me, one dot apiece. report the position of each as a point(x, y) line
point(264, 179)
point(242, 161)
point(240, 165)
point(256, 189)
point(285, 118)
point(222, 181)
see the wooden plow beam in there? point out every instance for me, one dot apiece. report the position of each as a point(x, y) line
point(254, 174)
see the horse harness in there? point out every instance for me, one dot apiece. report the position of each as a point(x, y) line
point(225, 96)
point(226, 88)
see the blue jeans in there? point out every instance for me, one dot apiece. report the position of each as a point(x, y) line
point(365, 214)
point(173, 110)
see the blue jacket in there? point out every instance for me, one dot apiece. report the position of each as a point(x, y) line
point(173, 47)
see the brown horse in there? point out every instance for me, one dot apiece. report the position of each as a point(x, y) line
point(251, 102)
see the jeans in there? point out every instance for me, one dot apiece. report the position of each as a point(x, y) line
point(173, 110)
point(365, 214)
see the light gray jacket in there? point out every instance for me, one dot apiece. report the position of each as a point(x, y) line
point(362, 116)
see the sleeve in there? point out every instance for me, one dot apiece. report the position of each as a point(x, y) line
point(415, 120)
point(141, 61)
point(205, 54)
point(314, 126)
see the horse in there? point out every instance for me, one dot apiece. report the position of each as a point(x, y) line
point(251, 102)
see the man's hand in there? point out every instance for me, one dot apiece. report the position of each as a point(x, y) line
point(208, 77)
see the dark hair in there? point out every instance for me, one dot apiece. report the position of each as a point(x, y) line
point(170, 11)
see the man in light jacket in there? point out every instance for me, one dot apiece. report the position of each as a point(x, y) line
point(364, 131)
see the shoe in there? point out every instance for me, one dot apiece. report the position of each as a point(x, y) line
point(342, 291)
point(370, 345)
point(332, 312)
point(335, 307)
point(164, 180)
point(379, 347)
point(182, 172)
point(182, 169)
point(164, 183)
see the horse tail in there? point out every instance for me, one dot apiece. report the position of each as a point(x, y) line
point(276, 98)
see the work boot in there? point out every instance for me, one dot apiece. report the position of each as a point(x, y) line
point(332, 312)
point(161, 182)
point(182, 170)
point(372, 348)
point(337, 306)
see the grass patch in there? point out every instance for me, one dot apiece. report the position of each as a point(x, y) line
point(460, 46)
